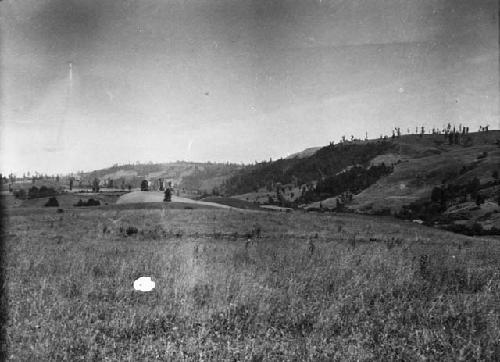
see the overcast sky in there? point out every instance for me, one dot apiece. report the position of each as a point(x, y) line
point(234, 80)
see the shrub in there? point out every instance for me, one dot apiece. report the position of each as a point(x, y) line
point(89, 202)
point(131, 230)
point(52, 202)
point(20, 194)
point(92, 202)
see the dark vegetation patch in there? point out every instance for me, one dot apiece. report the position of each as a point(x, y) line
point(52, 202)
point(326, 162)
point(131, 230)
point(35, 192)
point(89, 202)
point(353, 180)
point(431, 211)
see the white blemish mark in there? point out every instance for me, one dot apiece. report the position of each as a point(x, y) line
point(144, 284)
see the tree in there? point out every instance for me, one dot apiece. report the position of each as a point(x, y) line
point(144, 185)
point(168, 195)
point(436, 194)
point(71, 180)
point(95, 185)
point(473, 187)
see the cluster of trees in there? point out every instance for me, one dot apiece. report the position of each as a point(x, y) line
point(343, 185)
point(421, 131)
point(326, 162)
point(353, 181)
point(35, 192)
point(444, 196)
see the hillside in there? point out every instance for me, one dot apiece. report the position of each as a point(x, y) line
point(393, 176)
point(425, 165)
point(190, 176)
point(327, 161)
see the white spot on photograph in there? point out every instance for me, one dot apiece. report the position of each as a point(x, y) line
point(144, 284)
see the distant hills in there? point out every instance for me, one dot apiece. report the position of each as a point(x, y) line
point(431, 178)
point(192, 176)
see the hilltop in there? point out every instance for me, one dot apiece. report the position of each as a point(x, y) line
point(305, 153)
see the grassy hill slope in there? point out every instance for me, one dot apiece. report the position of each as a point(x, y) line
point(385, 176)
point(424, 165)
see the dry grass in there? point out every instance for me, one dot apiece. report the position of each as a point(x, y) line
point(367, 289)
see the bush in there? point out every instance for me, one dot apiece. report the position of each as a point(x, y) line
point(131, 230)
point(92, 202)
point(52, 202)
point(89, 202)
point(20, 194)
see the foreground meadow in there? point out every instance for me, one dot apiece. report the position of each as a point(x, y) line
point(245, 285)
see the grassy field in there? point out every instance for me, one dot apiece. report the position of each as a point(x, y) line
point(311, 287)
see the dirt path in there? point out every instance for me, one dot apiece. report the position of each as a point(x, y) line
point(157, 196)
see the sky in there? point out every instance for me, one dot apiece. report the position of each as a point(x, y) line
point(233, 80)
